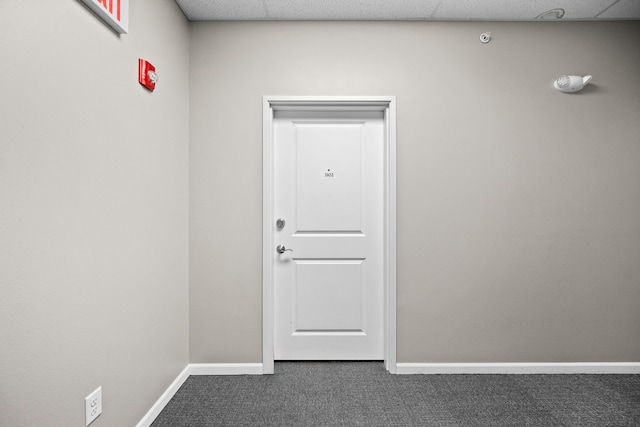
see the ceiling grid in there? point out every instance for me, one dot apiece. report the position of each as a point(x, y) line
point(410, 10)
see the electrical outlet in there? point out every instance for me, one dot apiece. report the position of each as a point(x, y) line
point(93, 405)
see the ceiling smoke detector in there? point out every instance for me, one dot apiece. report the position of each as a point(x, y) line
point(552, 14)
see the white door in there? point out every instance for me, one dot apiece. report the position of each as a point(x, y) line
point(329, 194)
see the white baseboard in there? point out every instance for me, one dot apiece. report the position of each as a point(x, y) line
point(225, 369)
point(519, 368)
point(197, 369)
point(157, 407)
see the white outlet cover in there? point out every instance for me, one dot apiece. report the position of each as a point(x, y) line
point(93, 405)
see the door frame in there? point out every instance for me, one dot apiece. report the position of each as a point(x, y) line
point(384, 104)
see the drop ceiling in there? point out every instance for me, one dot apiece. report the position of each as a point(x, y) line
point(429, 10)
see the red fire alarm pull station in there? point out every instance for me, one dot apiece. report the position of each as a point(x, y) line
point(147, 76)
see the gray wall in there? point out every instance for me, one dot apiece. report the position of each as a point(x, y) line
point(93, 212)
point(518, 206)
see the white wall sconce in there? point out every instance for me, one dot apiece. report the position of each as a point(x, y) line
point(571, 83)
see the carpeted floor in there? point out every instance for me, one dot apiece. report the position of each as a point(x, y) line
point(364, 394)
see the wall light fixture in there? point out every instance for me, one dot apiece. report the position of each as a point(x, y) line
point(571, 83)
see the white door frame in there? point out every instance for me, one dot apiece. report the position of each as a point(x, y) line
point(385, 104)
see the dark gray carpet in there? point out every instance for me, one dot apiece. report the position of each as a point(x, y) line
point(363, 394)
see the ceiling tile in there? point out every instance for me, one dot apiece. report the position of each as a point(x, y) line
point(624, 9)
point(518, 10)
point(351, 10)
point(223, 10)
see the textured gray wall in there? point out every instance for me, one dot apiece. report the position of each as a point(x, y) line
point(518, 206)
point(93, 212)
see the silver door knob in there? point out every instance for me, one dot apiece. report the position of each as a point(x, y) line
point(281, 249)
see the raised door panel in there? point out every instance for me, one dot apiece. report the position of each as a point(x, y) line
point(329, 177)
point(328, 296)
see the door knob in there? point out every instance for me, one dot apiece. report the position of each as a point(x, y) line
point(281, 249)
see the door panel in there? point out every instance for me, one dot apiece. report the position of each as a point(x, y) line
point(326, 180)
point(328, 186)
point(328, 296)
